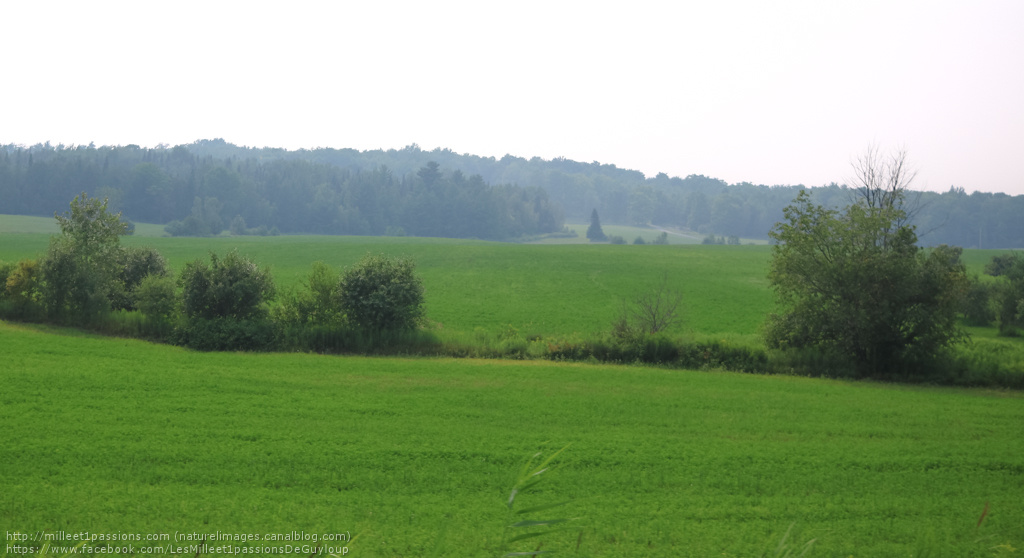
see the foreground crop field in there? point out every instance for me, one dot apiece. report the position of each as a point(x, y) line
point(416, 456)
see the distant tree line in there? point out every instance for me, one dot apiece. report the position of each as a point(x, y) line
point(203, 194)
point(697, 202)
point(346, 191)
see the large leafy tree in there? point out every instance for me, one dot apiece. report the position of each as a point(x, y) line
point(79, 270)
point(91, 228)
point(854, 281)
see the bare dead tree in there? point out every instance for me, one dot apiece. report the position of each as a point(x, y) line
point(882, 182)
point(656, 310)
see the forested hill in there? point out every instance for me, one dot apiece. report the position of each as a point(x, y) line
point(703, 204)
point(198, 193)
point(346, 191)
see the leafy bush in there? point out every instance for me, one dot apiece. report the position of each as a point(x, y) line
point(156, 298)
point(6, 268)
point(232, 287)
point(985, 362)
point(346, 339)
point(662, 350)
point(814, 361)
point(74, 289)
point(21, 280)
point(976, 305)
point(19, 291)
point(1008, 294)
point(317, 304)
point(227, 334)
point(381, 293)
point(224, 304)
point(616, 239)
point(133, 265)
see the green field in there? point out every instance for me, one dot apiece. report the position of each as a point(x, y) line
point(630, 233)
point(478, 290)
point(536, 289)
point(48, 225)
point(417, 455)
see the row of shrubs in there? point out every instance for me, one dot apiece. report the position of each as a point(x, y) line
point(966, 365)
point(87, 279)
point(224, 305)
point(973, 364)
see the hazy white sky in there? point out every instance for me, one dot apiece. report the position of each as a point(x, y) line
point(767, 92)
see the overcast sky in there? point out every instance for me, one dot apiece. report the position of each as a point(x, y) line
point(765, 92)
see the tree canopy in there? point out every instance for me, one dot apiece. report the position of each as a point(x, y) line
point(854, 282)
point(79, 273)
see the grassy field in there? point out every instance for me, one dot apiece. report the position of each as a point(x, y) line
point(476, 288)
point(48, 225)
point(417, 455)
point(629, 233)
point(535, 289)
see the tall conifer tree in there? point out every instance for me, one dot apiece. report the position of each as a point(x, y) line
point(594, 232)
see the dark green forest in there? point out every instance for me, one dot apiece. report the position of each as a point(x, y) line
point(201, 194)
point(212, 185)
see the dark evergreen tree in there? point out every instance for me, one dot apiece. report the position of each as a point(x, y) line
point(594, 232)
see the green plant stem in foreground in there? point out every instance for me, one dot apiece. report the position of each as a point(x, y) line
point(119, 435)
point(523, 524)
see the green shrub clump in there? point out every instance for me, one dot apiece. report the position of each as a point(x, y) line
point(225, 305)
point(381, 293)
point(230, 287)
